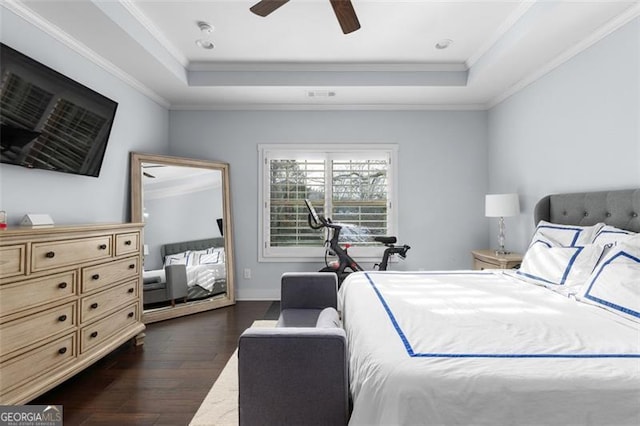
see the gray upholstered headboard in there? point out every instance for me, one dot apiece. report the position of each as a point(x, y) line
point(617, 208)
point(173, 248)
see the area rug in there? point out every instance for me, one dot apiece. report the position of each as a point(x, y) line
point(220, 406)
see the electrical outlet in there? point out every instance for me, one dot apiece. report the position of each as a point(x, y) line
point(247, 273)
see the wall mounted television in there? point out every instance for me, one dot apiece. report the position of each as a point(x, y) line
point(49, 121)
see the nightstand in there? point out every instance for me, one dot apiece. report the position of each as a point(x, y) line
point(488, 259)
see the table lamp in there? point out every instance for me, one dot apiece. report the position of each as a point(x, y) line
point(501, 205)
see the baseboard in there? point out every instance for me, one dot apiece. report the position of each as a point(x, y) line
point(257, 299)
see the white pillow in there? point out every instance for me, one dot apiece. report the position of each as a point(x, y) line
point(563, 269)
point(209, 256)
point(184, 258)
point(611, 235)
point(615, 283)
point(567, 235)
point(176, 258)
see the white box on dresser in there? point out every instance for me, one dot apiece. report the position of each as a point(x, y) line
point(69, 295)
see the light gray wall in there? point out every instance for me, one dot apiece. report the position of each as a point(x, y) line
point(140, 125)
point(183, 217)
point(442, 177)
point(576, 129)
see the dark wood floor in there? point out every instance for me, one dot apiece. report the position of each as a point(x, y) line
point(162, 382)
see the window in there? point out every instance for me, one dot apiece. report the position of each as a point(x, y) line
point(351, 184)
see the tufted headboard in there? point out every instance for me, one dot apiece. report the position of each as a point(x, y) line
point(173, 248)
point(619, 208)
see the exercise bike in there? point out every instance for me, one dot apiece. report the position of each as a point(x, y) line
point(345, 263)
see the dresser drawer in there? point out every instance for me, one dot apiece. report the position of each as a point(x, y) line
point(37, 362)
point(27, 331)
point(98, 304)
point(28, 294)
point(127, 243)
point(99, 276)
point(98, 332)
point(12, 260)
point(62, 253)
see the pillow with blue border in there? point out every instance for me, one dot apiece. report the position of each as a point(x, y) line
point(567, 235)
point(614, 285)
point(611, 235)
point(560, 268)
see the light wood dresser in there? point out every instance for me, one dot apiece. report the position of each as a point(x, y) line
point(69, 295)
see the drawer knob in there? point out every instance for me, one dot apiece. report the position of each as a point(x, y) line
point(127, 243)
point(132, 266)
point(94, 306)
point(62, 318)
point(62, 285)
point(102, 247)
point(94, 334)
point(130, 314)
point(62, 351)
point(50, 254)
point(130, 290)
point(95, 276)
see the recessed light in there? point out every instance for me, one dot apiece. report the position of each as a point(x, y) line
point(205, 44)
point(444, 43)
point(205, 27)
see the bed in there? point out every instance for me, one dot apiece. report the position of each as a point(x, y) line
point(205, 271)
point(546, 344)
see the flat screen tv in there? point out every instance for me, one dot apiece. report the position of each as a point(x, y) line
point(48, 121)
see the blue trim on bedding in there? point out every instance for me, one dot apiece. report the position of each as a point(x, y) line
point(612, 305)
point(541, 242)
point(534, 277)
point(411, 353)
point(608, 231)
point(565, 228)
point(404, 339)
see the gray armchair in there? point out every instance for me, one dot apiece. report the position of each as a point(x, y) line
point(297, 373)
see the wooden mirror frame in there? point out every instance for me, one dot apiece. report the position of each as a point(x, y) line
point(137, 159)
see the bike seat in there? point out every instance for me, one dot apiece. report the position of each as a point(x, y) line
point(385, 240)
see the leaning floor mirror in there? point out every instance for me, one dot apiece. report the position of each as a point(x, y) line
point(188, 244)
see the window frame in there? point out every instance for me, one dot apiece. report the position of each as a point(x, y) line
point(266, 152)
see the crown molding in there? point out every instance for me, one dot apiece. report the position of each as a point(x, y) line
point(328, 107)
point(324, 67)
point(608, 28)
point(54, 31)
point(500, 32)
point(145, 22)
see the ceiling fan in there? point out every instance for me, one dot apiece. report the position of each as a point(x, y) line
point(343, 9)
point(149, 166)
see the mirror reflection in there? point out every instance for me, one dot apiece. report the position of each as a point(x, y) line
point(187, 254)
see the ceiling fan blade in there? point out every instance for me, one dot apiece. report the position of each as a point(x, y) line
point(149, 175)
point(346, 15)
point(265, 7)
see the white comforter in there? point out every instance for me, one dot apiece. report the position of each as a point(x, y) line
point(483, 348)
point(205, 275)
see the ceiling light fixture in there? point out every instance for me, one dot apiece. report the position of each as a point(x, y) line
point(205, 27)
point(444, 43)
point(205, 44)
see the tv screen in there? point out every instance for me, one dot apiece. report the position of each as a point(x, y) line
point(48, 121)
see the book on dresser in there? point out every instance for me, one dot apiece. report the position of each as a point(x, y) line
point(69, 295)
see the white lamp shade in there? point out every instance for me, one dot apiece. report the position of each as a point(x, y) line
point(501, 205)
